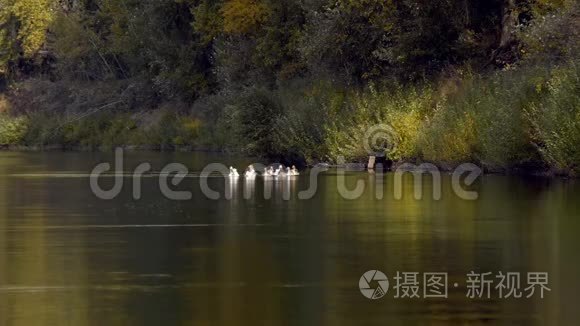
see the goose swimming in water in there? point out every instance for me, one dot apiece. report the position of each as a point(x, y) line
point(269, 172)
point(250, 172)
point(294, 171)
point(282, 171)
point(286, 172)
point(233, 172)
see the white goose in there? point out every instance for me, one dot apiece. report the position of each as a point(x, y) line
point(287, 172)
point(233, 173)
point(294, 171)
point(269, 172)
point(281, 171)
point(250, 172)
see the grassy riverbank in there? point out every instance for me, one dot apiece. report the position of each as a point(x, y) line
point(522, 118)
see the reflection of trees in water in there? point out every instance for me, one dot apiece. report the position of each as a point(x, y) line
point(43, 272)
point(274, 259)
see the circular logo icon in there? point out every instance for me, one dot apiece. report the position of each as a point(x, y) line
point(380, 138)
point(380, 280)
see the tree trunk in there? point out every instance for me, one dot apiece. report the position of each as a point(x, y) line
point(509, 20)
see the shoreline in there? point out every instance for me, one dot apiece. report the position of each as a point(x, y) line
point(353, 166)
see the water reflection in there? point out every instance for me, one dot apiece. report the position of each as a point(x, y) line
point(69, 258)
point(249, 188)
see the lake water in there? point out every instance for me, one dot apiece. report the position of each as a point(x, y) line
point(70, 258)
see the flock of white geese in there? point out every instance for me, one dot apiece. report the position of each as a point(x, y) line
point(251, 173)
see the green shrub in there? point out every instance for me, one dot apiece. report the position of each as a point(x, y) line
point(450, 136)
point(248, 124)
point(103, 130)
point(300, 132)
point(12, 129)
point(42, 129)
point(107, 130)
point(484, 121)
point(188, 131)
point(395, 116)
point(556, 119)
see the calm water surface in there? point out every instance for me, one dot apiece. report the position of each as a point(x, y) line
point(69, 258)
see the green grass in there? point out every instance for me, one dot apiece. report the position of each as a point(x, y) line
point(12, 129)
point(521, 117)
point(100, 131)
point(555, 120)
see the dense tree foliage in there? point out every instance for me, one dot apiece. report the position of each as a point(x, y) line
point(24, 26)
point(187, 48)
